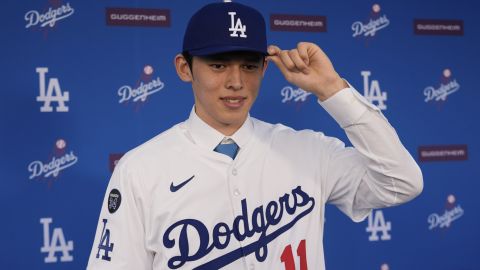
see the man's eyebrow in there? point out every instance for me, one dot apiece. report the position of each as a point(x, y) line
point(222, 58)
point(252, 58)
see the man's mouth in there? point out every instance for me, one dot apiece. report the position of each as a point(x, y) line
point(233, 102)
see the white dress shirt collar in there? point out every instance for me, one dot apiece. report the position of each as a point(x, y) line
point(207, 137)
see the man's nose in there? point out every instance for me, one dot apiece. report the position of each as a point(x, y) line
point(234, 79)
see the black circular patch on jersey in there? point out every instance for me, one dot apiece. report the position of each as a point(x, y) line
point(114, 200)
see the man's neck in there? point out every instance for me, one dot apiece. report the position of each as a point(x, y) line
point(228, 130)
point(225, 129)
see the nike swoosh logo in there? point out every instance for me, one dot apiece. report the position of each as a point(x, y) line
point(175, 188)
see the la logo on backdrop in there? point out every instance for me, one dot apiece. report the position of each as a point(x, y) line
point(46, 18)
point(59, 160)
point(376, 225)
point(145, 86)
point(372, 91)
point(51, 92)
point(54, 243)
point(376, 22)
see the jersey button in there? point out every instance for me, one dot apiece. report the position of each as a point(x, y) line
point(234, 171)
point(251, 266)
point(236, 192)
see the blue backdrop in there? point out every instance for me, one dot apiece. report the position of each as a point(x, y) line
point(110, 84)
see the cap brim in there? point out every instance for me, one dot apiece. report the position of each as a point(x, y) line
point(223, 49)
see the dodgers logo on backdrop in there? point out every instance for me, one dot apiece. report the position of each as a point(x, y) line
point(375, 23)
point(145, 87)
point(194, 241)
point(372, 91)
point(376, 224)
point(291, 94)
point(452, 212)
point(448, 86)
point(60, 160)
point(49, 17)
point(236, 26)
point(55, 244)
point(51, 93)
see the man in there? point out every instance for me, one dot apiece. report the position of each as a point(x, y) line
point(223, 190)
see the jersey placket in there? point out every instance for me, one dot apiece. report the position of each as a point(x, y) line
point(236, 195)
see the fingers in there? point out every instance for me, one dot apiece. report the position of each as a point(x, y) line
point(297, 60)
point(289, 60)
point(274, 52)
point(302, 48)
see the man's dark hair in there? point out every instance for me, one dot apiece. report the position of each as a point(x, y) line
point(188, 57)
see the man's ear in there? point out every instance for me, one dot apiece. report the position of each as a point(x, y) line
point(183, 69)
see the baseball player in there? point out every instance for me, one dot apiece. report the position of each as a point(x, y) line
point(224, 190)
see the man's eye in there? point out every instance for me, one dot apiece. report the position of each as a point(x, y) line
point(217, 66)
point(251, 67)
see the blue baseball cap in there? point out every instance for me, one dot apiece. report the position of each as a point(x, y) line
point(224, 27)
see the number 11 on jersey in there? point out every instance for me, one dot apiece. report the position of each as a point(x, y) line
point(289, 261)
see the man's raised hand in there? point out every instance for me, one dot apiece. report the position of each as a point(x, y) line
point(309, 68)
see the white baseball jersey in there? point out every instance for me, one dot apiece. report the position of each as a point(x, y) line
point(174, 203)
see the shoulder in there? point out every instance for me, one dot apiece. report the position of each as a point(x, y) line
point(280, 131)
point(285, 137)
point(154, 151)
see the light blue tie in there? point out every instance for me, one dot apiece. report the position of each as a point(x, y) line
point(227, 147)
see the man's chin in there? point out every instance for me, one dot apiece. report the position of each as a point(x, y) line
point(238, 120)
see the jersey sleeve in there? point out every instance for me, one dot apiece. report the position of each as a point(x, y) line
point(120, 236)
point(378, 171)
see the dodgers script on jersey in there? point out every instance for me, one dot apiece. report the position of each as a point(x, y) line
point(174, 203)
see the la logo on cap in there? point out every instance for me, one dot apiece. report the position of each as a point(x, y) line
point(235, 27)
